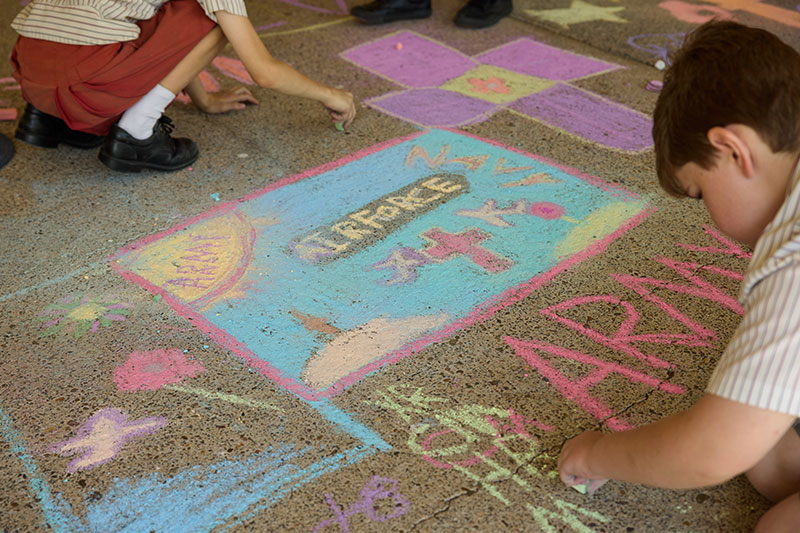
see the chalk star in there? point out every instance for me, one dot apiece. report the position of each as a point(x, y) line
point(103, 435)
point(578, 12)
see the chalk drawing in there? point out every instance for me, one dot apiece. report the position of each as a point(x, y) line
point(80, 314)
point(9, 84)
point(102, 437)
point(56, 511)
point(296, 316)
point(625, 339)
point(228, 66)
point(376, 489)
point(443, 87)
point(693, 13)
point(567, 514)
point(155, 369)
point(579, 390)
point(578, 12)
point(498, 449)
point(201, 498)
point(786, 17)
point(660, 45)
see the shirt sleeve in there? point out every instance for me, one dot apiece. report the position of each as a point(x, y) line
point(234, 7)
point(761, 365)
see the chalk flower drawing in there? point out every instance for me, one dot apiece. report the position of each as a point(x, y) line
point(80, 314)
point(491, 85)
point(546, 210)
point(151, 370)
point(155, 369)
point(103, 435)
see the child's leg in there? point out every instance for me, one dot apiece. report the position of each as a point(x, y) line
point(782, 518)
point(139, 119)
point(777, 475)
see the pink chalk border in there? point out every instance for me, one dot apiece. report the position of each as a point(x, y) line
point(481, 312)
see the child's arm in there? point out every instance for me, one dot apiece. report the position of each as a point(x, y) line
point(221, 102)
point(708, 444)
point(272, 73)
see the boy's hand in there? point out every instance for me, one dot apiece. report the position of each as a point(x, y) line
point(229, 100)
point(341, 107)
point(573, 467)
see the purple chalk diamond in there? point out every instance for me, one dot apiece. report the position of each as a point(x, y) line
point(527, 56)
point(587, 115)
point(434, 107)
point(410, 59)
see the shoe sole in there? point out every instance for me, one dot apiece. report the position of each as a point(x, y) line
point(121, 165)
point(410, 15)
point(43, 141)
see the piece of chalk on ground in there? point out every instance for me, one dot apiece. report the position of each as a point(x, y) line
point(654, 86)
point(582, 488)
point(339, 126)
point(398, 46)
point(660, 64)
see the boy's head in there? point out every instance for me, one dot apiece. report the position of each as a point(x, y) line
point(724, 74)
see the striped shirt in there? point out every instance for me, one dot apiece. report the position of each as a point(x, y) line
point(761, 365)
point(91, 22)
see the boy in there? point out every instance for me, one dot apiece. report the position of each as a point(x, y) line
point(91, 68)
point(727, 130)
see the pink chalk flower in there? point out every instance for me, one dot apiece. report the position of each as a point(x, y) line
point(151, 370)
point(546, 210)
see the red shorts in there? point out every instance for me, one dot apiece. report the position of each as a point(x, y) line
point(91, 86)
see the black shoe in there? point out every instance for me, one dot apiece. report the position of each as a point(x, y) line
point(383, 11)
point(483, 13)
point(160, 151)
point(46, 131)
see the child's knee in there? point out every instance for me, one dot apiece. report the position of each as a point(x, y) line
point(782, 518)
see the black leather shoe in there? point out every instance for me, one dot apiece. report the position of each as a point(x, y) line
point(383, 11)
point(46, 131)
point(483, 13)
point(160, 151)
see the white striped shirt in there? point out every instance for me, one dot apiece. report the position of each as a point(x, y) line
point(761, 365)
point(90, 22)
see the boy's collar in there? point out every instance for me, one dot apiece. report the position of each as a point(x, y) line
point(792, 183)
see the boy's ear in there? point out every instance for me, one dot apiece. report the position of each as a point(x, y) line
point(728, 144)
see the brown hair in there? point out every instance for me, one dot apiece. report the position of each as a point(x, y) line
point(725, 73)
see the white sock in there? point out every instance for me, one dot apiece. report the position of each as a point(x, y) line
point(140, 118)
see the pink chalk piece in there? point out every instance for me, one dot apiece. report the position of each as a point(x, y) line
point(233, 68)
point(8, 113)
point(654, 86)
point(153, 369)
point(398, 46)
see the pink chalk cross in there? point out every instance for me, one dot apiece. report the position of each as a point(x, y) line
point(102, 437)
point(450, 245)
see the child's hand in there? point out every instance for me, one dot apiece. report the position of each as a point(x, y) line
point(229, 100)
point(573, 462)
point(341, 107)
